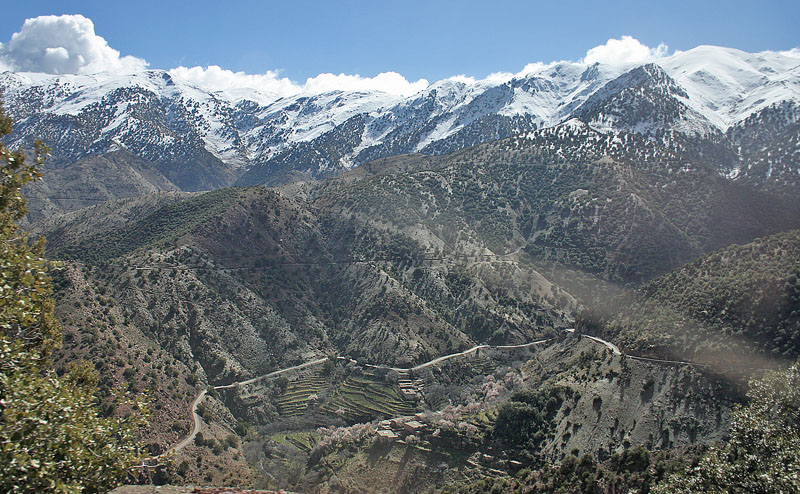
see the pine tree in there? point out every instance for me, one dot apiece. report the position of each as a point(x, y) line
point(53, 437)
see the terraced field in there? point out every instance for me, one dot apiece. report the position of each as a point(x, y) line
point(355, 399)
point(360, 399)
point(304, 441)
point(481, 367)
point(299, 395)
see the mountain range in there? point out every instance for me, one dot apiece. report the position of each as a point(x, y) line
point(738, 110)
point(207, 238)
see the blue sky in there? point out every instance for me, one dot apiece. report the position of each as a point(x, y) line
point(419, 39)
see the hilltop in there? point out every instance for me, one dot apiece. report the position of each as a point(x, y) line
point(734, 307)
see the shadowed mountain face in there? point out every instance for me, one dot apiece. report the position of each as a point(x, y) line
point(735, 308)
point(613, 204)
point(91, 181)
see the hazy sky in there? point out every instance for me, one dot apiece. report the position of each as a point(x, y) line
point(419, 39)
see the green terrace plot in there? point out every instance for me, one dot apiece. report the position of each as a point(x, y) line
point(300, 394)
point(481, 366)
point(355, 399)
point(361, 398)
point(304, 441)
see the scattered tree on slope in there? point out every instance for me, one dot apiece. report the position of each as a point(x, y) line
point(763, 453)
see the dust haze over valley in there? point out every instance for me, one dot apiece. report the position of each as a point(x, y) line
point(583, 276)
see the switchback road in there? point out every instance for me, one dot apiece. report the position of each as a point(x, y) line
point(198, 421)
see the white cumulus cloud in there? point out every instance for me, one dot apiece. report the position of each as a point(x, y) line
point(625, 50)
point(68, 44)
point(65, 44)
point(216, 78)
point(496, 77)
point(463, 79)
point(388, 82)
point(219, 79)
point(793, 53)
point(532, 67)
point(614, 52)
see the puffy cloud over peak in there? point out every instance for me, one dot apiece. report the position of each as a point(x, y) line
point(793, 53)
point(625, 50)
point(218, 79)
point(68, 44)
point(65, 44)
point(462, 79)
point(532, 67)
point(491, 79)
point(388, 82)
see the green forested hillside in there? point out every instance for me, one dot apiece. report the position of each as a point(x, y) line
point(199, 273)
point(620, 207)
point(161, 227)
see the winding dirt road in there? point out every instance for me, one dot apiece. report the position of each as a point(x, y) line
point(614, 348)
point(452, 355)
point(473, 349)
point(273, 374)
point(198, 421)
point(195, 428)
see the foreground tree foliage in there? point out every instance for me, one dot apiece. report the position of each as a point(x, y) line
point(526, 420)
point(53, 437)
point(763, 453)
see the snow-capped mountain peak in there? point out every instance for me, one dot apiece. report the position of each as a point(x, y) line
point(191, 131)
point(726, 85)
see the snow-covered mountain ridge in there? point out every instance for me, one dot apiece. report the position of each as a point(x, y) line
point(200, 139)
